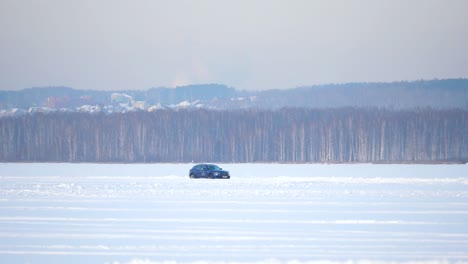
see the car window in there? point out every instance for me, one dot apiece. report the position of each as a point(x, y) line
point(213, 167)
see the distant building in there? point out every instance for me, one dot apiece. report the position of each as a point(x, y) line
point(120, 98)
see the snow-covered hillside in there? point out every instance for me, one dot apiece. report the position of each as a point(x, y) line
point(151, 213)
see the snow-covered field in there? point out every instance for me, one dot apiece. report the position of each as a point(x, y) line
point(151, 213)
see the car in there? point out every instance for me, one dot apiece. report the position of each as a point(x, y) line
point(210, 171)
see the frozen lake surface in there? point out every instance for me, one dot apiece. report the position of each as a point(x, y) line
point(153, 213)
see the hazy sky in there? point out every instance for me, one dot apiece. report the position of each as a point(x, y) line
point(247, 44)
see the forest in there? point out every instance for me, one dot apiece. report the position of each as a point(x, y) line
point(289, 135)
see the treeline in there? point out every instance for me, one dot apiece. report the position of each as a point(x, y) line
point(437, 94)
point(287, 135)
point(39, 96)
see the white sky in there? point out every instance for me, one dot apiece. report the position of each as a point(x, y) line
point(247, 44)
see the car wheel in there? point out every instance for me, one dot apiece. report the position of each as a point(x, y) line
point(192, 176)
point(210, 176)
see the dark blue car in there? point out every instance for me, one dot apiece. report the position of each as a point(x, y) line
point(208, 171)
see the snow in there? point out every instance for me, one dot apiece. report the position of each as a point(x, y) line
point(266, 213)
